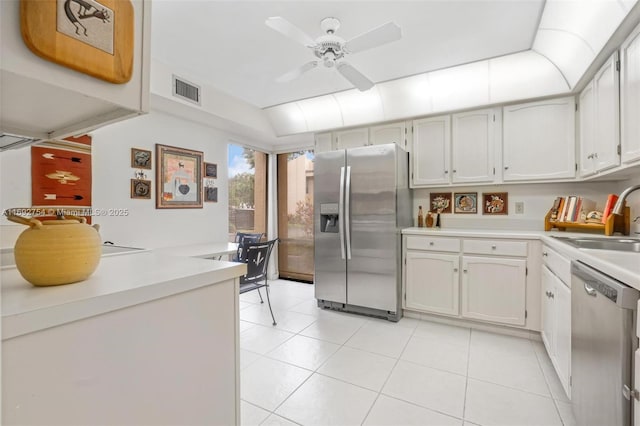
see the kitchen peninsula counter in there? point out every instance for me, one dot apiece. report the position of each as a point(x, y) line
point(148, 337)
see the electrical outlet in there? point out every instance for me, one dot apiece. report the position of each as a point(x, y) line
point(519, 207)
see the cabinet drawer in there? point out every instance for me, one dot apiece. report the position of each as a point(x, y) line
point(433, 243)
point(557, 264)
point(498, 247)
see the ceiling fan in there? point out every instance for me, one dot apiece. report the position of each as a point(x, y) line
point(332, 49)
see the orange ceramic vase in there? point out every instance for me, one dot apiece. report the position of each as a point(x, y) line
point(55, 252)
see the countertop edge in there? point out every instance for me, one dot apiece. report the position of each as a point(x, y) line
point(28, 321)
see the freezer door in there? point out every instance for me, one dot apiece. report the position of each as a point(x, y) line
point(330, 257)
point(372, 271)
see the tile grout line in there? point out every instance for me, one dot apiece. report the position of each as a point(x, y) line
point(388, 376)
point(466, 382)
point(546, 381)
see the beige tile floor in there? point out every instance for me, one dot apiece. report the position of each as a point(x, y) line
point(319, 367)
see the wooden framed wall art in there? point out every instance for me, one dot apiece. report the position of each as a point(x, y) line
point(94, 37)
point(141, 189)
point(140, 158)
point(465, 202)
point(440, 202)
point(495, 203)
point(178, 178)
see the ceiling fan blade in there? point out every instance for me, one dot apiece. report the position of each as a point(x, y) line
point(383, 34)
point(354, 76)
point(285, 27)
point(295, 73)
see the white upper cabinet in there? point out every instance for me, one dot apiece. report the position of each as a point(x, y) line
point(431, 151)
point(473, 142)
point(630, 97)
point(43, 100)
point(539, 140)
point(351, 138)
point(389, 133)
point(322, 142)
point(599, 120)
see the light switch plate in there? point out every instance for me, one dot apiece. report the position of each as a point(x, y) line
point(519, 207)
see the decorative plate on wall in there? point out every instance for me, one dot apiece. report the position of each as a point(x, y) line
point(93, 37)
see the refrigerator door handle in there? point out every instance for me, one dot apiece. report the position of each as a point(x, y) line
point(347, 217)
point(341, 213)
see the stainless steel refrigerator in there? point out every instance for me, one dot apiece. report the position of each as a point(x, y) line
point(361, 203)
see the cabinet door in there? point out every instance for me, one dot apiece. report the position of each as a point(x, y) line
point(432, 282)
point(322, 142)
point(630, 97)
point(548, 312)
point(587, 130)
point(473, 137)
point(430, 151)
point(352, 138)
point(389, 133)
point(607, 136)
point(539, 140)
point(562, 299)
point(494, 289)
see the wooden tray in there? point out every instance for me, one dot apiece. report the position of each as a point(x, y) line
point(39, 26)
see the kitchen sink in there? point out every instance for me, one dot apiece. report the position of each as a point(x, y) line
point(617, 244)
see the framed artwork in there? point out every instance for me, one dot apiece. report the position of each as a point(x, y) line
point(140, 158)
point(465, 202)
point(178, 178)
point(68, 32)
point(141, 189)
point(495, 203)
point(211, 194)
point(440, 202)
point(210, 170)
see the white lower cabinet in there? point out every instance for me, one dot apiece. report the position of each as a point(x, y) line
point(556, 322)
point(494, 289)
point(432, 282)
point(440, 277)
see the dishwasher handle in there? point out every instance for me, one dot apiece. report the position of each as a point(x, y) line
point(595, 281)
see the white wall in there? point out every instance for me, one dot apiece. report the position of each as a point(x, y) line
point(146, 226)
point(537, 198)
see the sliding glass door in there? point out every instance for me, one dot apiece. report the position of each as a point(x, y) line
point(295, 215)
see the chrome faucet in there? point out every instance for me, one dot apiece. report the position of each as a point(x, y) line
point(617, 209)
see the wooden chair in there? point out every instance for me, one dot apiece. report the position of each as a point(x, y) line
point(256, 255)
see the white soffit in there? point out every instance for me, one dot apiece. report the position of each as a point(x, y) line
point(460, 87)
point(572, 33)
point(523, 75)
point(359, 107)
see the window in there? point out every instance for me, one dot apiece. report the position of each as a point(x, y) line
point(247, 190)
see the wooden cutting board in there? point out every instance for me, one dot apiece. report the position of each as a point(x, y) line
point(89, 36)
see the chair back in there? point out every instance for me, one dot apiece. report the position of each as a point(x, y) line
point(244, 237)
point(256, 256)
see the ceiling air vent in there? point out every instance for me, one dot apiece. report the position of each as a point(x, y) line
point(186, 90)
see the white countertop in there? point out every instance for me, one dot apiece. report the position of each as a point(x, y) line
point(623, 266)
point(119, 281)
point(202, 250)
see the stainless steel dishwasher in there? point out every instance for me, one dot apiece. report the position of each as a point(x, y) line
point(603, 341)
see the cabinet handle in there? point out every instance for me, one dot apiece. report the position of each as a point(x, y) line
point(551, 295)
point(455, 269)
point(431, 243)
point(454, 170)
point(595, 155)
point(493, 247)
point(589, 157)
point(446, 172)
point(545, 254)
point(464, 270)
